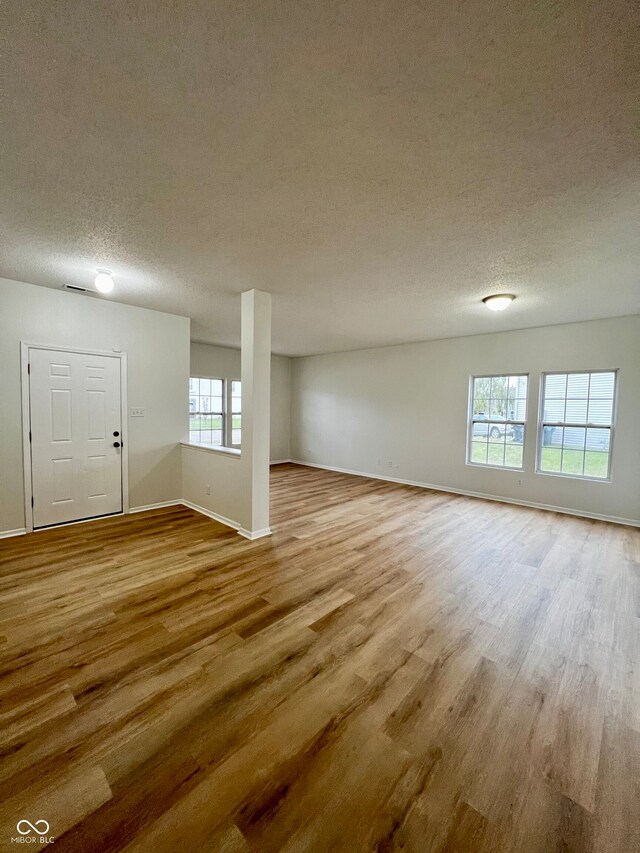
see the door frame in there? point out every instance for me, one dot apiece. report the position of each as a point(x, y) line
point(25, 346)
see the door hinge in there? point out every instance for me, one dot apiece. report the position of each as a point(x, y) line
point(32, 501)
point(28, 368)
point(29, 435)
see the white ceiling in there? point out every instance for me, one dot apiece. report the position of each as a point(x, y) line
point(378, 165)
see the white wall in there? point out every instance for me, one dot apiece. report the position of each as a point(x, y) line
point(408, 405)
point(222, 475)
point(157, 347)
point(224, 363)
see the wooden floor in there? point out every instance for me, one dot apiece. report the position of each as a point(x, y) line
point(395, 669)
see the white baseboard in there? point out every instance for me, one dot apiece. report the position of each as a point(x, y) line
point(154, 506)
point(18, 531)
point(631, 522)
point(279, 461)
point(214, 515)
point(254, 534)
point(228, 522)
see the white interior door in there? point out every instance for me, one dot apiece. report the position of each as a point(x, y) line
point(76, 435)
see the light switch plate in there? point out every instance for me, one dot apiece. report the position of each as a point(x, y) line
point(136, 413)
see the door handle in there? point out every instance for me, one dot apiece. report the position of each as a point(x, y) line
point(116, 433)
point(116, 444)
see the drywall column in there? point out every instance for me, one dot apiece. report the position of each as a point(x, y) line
point(256, 411)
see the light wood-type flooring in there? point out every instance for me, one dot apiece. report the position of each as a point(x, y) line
point(394, 669)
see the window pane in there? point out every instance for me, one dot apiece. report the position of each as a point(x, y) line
point(576, 411)
point(499, 386)
point(216, 404)
point(496, 433)
point(479, 450)
point(572, 462)
point(553, 410)
point(551, 436)
point(480, 428)
point(216, 387)
point(498, 408)
point(216, 437)
point(598, 439)
point(517, 434)
point(577, 385)
point(600, 411)
point(602, 385)
point(520, 409)
point(574, 438)
point(555, 385)
point(572, 450)
point(513, 455)
point(236, 426)
point(512, 385)
point(495, 454)
point(597, 455)
point(481, 394)
point(205, 386)
point(550, 459)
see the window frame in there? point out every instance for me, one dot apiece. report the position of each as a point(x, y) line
point(542, 423)
point(223, 414)
point(471, 421)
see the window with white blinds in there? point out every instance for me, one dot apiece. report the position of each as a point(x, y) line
point(576, 424)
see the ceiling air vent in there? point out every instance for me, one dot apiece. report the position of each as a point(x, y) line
point(75, 287)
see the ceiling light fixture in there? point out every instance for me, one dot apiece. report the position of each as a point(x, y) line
point(103, 281)
point(499, 301)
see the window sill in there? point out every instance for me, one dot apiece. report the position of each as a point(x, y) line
point(568, 476)
point(494, 467)
point(213, 448)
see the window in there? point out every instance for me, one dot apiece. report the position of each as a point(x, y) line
point(206, 411)
point(576, 423)
point(236, 412)
point(209, 402)
point(497, 417)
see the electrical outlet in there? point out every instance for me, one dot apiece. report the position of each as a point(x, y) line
point(519, 482)
point(207, 490)
point(136, 413)
point(389, 464)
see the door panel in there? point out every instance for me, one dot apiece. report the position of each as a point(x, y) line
point(74, 410)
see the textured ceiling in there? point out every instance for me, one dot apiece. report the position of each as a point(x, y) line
point(377, 165)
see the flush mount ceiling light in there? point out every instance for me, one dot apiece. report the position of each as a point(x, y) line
point(499, 301)
point(103, 281)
